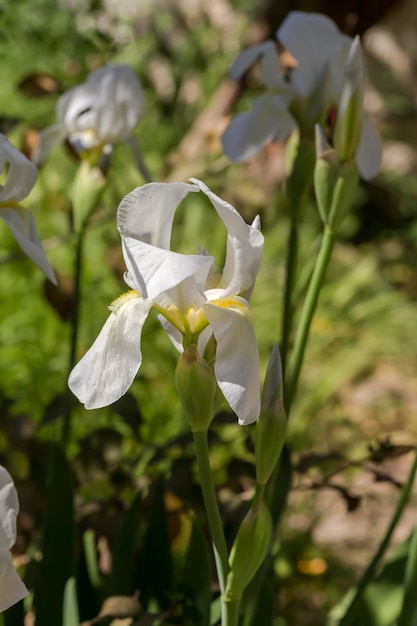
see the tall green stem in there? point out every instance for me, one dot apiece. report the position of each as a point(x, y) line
point(75, 319)
point(229, 609)
point(291, 266)
point(310, 304)
point(368, 575)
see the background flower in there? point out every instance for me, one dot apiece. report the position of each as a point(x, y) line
point(11, 587)
point(21, 177)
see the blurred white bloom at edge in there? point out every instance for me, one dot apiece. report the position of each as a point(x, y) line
point(20, 178)
point(194, 302)
point(96, 114)
point(12, 588)
point(310, 93)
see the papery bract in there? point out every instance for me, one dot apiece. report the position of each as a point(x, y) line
point(102, 111)
point(12, 588)
point(193, 301)
point(20, 178)
point(310, 93)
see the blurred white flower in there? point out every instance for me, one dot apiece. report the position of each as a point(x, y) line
point(193, 301)
point(311, 92)
point(11, 587)
point(96, 114)
point(21, 176)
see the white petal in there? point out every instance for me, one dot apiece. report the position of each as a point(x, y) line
point(21, 176)
point(244, 246)
point(9, 508)
point(108, 369)
point(147, 212)
point(237, 360)
point(153, 270)
point(268, 120)
point(22, 224)
point(48, 139)
point(313, 40)
point(369, 156)
point(246, 59)
point(12, 588)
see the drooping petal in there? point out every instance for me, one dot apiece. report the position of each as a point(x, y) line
point(21, 176)
point(153, 270)
point(108, 369)
point(9, 508)
point(244, 246)
point(48, 139)
point(22, 225)
point(246, 59)
point(147, 212)
point(12, 589)
point(268, 120)
point(237, 360)
point(271, 74)
point(369, 155)
point(312, 39)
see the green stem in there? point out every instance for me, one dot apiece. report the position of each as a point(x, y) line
point(75, 319)
point(231, 615)
point(368, 575)
point(291, 266)
point(310, 304)
point(212, 509)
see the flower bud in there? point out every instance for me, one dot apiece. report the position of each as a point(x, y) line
point(89, 184)
point(271, 426)
point(325, 174)
point(196, 388)
point(249, 549)
point(348, 128)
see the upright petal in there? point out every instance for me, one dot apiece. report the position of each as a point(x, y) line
point(312, 39)
point(153, 270)
point(369, 155)
point(147, 212)
point(21, 176)
point(268, 120)
point(244, 246)
point(237, 360)
point(108, 369)
point(22, 225)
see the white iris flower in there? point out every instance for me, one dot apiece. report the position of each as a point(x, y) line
point(100, 112)
point(308, 94)
point(21, 175)
point(193, 301)
point(12, 588)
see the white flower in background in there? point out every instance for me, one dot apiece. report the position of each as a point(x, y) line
point(11, 587)
point(303, 95)
point(100, 112)
point(193, 301)
point(21, 176)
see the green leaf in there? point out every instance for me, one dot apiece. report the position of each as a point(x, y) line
point(408, 616)
point(90, 551)
point(70, 613)
point(121, 577)
point(57, 564)
point(196, 577)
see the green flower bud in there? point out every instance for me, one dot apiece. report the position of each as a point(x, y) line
point(196, 388)
point(349, 120)
point(325, 174)
point(249, 549)
point(89, 184)
point(271, 426)
point(344, 193)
